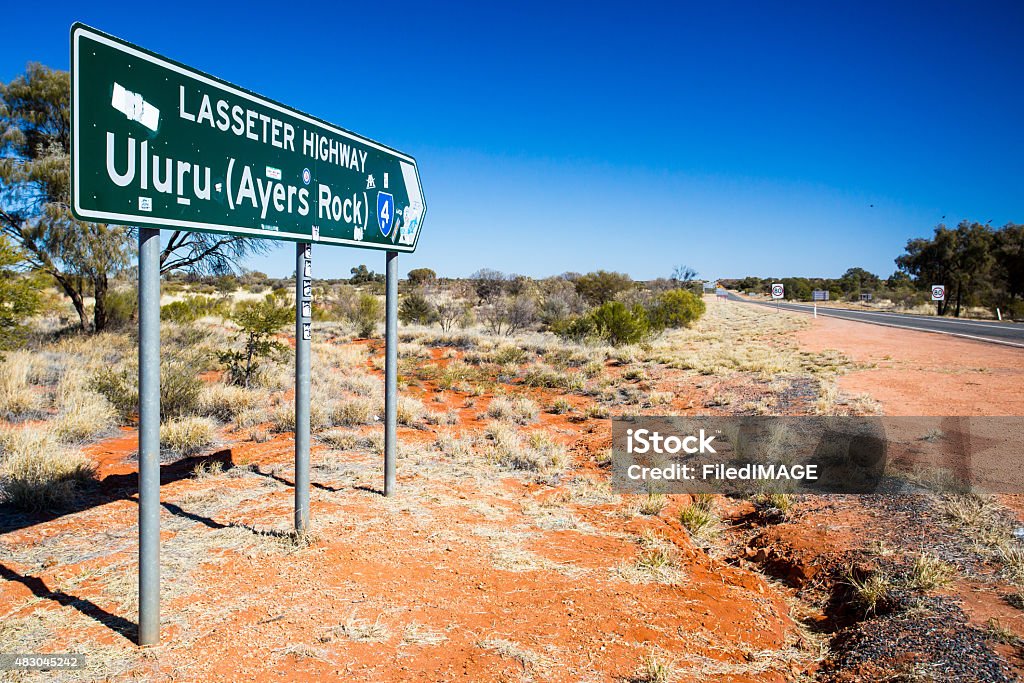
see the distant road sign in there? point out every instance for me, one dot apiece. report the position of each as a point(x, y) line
point(156, 143)
point(819, 295)
point(938, 292)
point(778, 291)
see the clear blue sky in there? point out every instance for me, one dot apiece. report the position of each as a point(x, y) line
point(739, 138)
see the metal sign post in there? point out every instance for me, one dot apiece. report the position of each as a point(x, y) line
point(816, 296)
point(149, 436)
point(158, 144)
point(390, 370)
point(303, 341)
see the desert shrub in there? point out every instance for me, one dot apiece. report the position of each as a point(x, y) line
point(560, 406)
point(367, 314)
point(187, 436)
point(676, 308)
point(339, 439)
point(44, 479)
point(251, 417)
point(509, 354)
point(519, 411)
point(415, 308)
point(259, 322)
point(122, 306)
point(179, 388)
point(619, 325)
point(224, 401)
point(537, 453)
point(282, 417)
point(575, 329)
point(191, 308)
point(601, 287)
point(449, 417)
point(17, 396)
point(83, 416)
point(354, 412)
point(409, 411)
point(19, 294)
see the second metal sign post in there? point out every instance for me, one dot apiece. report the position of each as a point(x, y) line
point(303, 342)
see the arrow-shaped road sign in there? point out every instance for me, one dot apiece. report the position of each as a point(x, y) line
point(159, 144)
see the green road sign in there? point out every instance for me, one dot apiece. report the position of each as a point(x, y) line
point(158, 144)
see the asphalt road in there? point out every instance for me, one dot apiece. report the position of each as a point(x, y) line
point(1007, 333)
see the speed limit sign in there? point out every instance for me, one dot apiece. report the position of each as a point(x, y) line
point(778, 291)
point(938, 292)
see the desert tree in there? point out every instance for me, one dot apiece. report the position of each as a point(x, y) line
point(19, 296)
point(35, 184)
point(960, 258)
point(602, 286)
point(35, 193)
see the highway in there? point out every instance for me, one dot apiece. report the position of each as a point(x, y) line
point(1006, 333)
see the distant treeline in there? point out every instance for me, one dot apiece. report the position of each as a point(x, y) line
point(978, 264)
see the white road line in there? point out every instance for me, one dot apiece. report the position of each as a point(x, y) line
point(924, 329)
point(973, 323)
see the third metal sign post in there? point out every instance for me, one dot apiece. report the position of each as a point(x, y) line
point(157, 144)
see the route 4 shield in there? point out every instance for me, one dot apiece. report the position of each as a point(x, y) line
point(385, 212)
point(938, 292)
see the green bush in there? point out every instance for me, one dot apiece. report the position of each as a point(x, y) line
point(415, 308)
point(676, 308)
point(575, 329)
point(122, 305)
point(620, 325)
point(179, 388)
point(191, 308)
point(367, 315)
point(260, 321)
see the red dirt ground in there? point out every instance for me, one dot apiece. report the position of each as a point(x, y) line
point(554, 610)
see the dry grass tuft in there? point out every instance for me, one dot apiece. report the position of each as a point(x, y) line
point(657, 562)
point(409, 411)
point(339, 439)
point(700, 520)
point(870, 592)
point(653, 504)
point(421, 634)
point(537, 453)
point(17, 396)
point(519, 411)
point(225, 401)
point(42, 479)
point(187, 436)
point(359, 630)
point(655, 670)
point(84, 416)
point(354, 412)
point(929, 572)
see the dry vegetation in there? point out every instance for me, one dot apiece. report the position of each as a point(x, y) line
point(503, 455)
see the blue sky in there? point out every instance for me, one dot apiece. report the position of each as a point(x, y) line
point(739, 138)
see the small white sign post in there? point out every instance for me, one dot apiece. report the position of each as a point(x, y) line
point(778, 292)
point(938, 295)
